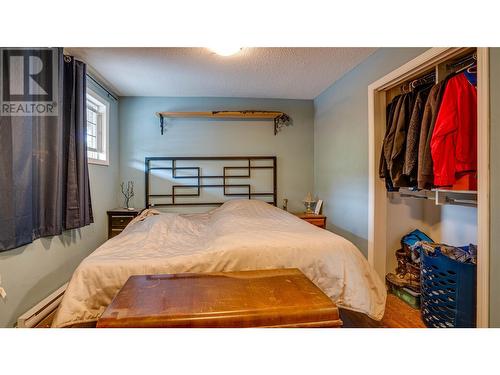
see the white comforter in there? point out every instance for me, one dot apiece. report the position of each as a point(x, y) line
point(239, 235)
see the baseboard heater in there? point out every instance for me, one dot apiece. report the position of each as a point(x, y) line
point(42, 310)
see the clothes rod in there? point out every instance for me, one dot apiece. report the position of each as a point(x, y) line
point(463, 60)
point(102, 87)
point(461, 202)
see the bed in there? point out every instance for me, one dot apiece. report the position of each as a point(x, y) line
point(241, 234)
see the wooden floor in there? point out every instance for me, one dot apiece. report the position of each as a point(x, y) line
point(398, 314)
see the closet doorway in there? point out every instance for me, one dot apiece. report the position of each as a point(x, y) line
point(380, 236)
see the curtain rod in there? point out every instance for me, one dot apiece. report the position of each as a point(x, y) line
point(464, 59)
point(102, 87)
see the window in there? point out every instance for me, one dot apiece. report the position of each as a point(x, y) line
point(97, 128)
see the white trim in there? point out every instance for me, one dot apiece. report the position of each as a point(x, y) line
point(377, 197)
point(107, 104)
point(419, 64)
point(376, 188)
point(98, 162)
point(483, 164)
point(42, 309)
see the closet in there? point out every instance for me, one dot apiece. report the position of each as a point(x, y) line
point(456, 215)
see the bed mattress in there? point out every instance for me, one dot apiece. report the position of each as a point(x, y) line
point(237, 236)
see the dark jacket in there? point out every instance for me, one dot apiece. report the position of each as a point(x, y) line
point(397, 155)
point(383, 170)
point(425, 174)
point(410, 167)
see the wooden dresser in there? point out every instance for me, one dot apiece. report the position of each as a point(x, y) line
point(266, 298)
point(318, 220)
point(118, 219)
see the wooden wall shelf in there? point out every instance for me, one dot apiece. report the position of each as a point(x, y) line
point(280, 119)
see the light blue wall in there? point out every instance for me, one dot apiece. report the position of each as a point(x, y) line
point(337, 153)
point(341, 157)
point(495, 187)
point(140, 137)
point(30, 273)
point(341, 143)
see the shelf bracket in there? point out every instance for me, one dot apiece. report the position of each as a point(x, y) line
point(280, 122)
point(162, 123)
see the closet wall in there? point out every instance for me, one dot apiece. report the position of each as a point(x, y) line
point(451, 224)
point(454, 225)
point(341, 163)
point(382, 222)
point(341, 144)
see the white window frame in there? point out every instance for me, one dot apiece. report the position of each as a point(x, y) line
point(104, 108)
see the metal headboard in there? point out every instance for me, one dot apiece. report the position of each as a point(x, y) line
point(199, 177)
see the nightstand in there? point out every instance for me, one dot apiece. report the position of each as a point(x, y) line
point(318, 220)
point(118, 219)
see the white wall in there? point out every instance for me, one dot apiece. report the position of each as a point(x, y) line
point(454, 225)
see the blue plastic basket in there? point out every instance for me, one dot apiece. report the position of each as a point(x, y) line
point(448, 291)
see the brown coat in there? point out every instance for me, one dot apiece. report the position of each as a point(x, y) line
point(425, 175)
point(410, 167)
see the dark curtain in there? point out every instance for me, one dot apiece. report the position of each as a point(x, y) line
point(77, 202)
point(44, 182)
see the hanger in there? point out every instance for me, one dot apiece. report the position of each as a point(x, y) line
point(410, 86)
point(428, 78)
point(471, 67)
point(405, 88)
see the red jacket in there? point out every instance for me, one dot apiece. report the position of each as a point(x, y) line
point(454, 140)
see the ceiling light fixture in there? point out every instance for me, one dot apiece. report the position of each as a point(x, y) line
point(226, 51)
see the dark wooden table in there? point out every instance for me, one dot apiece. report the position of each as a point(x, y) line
point(119, 218)
point(267, 298)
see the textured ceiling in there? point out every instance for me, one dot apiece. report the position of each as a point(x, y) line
point(291, 73)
